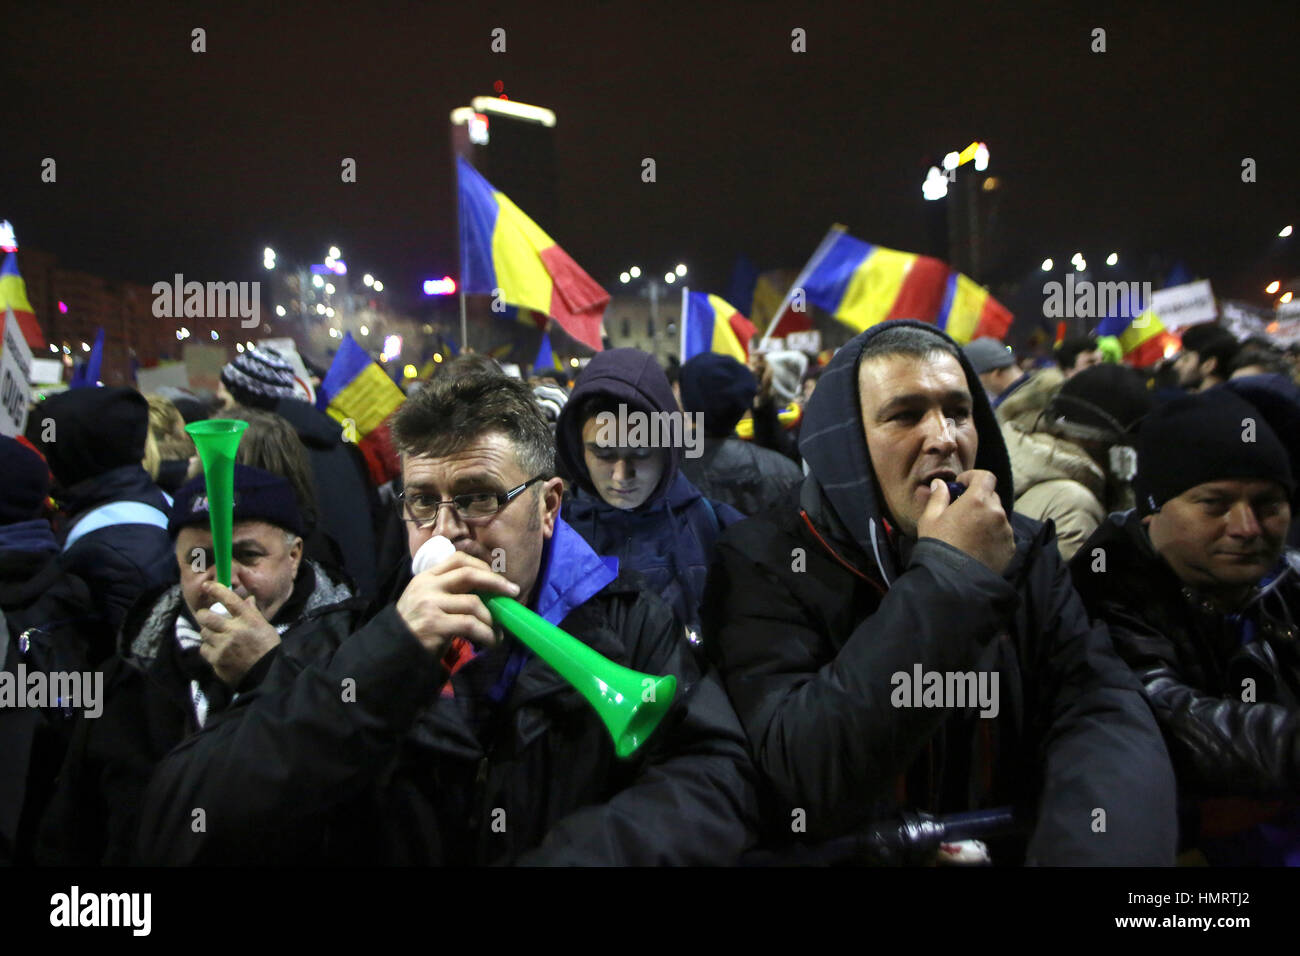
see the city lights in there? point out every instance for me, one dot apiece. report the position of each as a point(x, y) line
point(279, 310)
point(670, 277)
point(680, 270)
point(379, 286)
point(1286, 297)
point(365, 330)
point(1047, 265)
point(317, 281)
point(1112, 259)
point(329, 288)
point(634, 272)
point(625, 277)
point(444, 286)
point(1286, 231)
point(368, 280)
point(1272, 287)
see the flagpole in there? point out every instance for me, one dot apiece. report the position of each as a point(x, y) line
point(464, 329)
point(681, 337)
point(818, 255)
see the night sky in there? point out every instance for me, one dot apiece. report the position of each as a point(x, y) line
point(173, 161)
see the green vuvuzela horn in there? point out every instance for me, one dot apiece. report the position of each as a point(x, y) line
point(629, 703)
point(216, 440)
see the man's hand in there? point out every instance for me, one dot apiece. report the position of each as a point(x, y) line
point(232, 645)
point(975, 523)
point(440, 603)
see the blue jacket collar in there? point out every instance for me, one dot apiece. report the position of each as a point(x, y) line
point(572, 573)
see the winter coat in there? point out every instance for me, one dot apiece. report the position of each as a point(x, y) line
point(346, 503)
point(1194, 664)
point(48, 614)
point(1056, 479)
point(397, 770)
point(149, 709)
point(120, 561)
point(669, 539)
point(1023, 403)
point(739, 473)
point(816, 608)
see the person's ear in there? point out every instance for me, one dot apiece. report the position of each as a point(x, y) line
point(1210, 366)
point(552, 496)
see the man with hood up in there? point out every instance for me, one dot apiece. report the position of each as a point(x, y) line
point(855, 629)
point(632, 501)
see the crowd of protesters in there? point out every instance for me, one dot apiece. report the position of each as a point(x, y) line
point(826, 551)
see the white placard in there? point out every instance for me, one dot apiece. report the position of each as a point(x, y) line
point(810, 341)
point(15, 367)
point(1183, 305)
point(301, 377)
point(166, 375)
point(45, 372)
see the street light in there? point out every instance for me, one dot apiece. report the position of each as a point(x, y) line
point(365, 330)
point(368, 279)
point(1047, 265)
point(379, 286)
point(1112, 259)
point(334, 252)
point(317, 281)
point(1286, 231)
point(634, 272)
point(329, 288)
point(670, 277)
point(1286, 297)
point(680, 270)
point(1080, 264)
point(625, 277)
point(1272, 287)
point(279, 310)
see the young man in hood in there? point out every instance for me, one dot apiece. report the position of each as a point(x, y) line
point(430, 737)
point(620, 443)
point(889, 648)
point(1203, 603)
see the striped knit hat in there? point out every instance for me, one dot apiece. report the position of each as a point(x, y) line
point(258, 378)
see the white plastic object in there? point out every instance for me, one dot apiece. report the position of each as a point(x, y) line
point(432, 553)
point(218, 608)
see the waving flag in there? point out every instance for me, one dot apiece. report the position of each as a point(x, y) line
point(547, 360)
point(13, 293)
point(359, 395)
point(711, 324)
point(1142, 336)
point(501, 248)
point(861, 285)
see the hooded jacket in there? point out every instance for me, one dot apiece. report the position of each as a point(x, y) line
point(1194, 663)
point(394, 772)
point(1056, 479)
point(149, 709)
point(814, 610)
point(668, 540)
point(119, 561)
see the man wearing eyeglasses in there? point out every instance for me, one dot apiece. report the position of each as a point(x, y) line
point(431, 736)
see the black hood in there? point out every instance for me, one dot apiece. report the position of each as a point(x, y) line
point(629, 376)
point(315, 429)
point(833, 443)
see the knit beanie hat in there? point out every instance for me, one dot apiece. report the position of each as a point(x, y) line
point(551, 399)
point(719, 387)
point(787, 374)
point(24, 481)
point(988, 355)
point(1210, 436)
point(259, 496)
point(259, 378)
point(1105, 402)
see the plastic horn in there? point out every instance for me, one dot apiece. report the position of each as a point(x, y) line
point(216, 440)
point(619, 694)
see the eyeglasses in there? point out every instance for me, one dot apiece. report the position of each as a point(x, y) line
point(473, 508)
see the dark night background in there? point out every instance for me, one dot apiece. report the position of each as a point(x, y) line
point(171, 161)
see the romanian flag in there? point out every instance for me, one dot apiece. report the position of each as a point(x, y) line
point(501, 248)
point(359, 395)
point(710, 324)
point(1141, 339)
point(13, 293)
point(862, 285)
point(546, 360)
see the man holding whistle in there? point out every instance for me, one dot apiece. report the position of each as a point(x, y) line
point(890, 648)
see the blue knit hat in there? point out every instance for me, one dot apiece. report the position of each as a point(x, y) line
point(259, 496)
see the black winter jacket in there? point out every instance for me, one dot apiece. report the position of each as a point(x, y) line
point(49, 612)
point(814, 608)
point(742, 474)
point(1194, 666)
point(119, 562)
point(390, 772)
point(149, 710)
